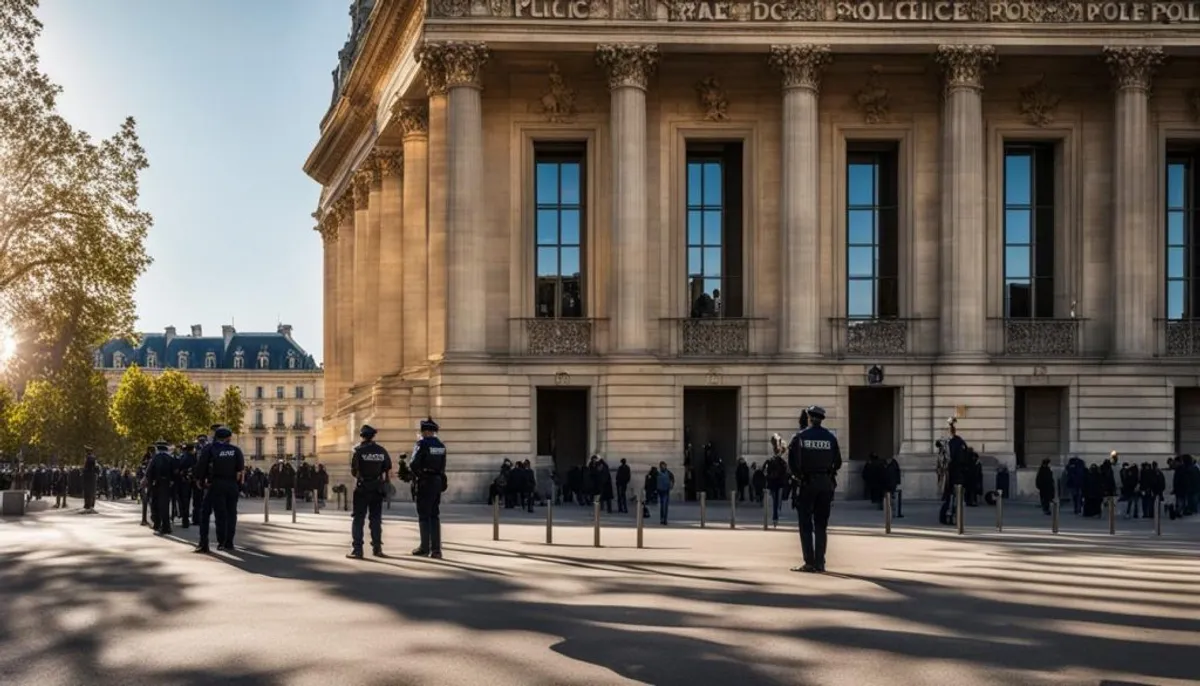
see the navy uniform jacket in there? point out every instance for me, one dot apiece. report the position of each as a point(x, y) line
point(815, 458)
point(161, 470)
point(370, 464)
point(220, 462)
point(429, 463)
point(186, 465)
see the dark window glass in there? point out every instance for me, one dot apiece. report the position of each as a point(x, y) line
point(714, 229)
point(872, 231)
point(1029, 171)
point(560, 195)
point(1183, 248)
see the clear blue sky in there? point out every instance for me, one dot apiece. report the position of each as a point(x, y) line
point(228, 96)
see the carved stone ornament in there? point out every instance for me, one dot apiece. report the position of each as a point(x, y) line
point(965, 65)
point(389, 162)
point(562, 379)
point(599, 9)
point(1193, 100)
point(501, 8)
point(449, 8)
point(712, 99)
point(451, 64)
point(1056, 11)
point(343, 209)
point(413, 117)
point(873, 100)
point(551, 336)
point(1038, 103)
point(362, 185)
point(558, 102)
point(1133, 68)
point(627, 64)
point(715, 337)
point(328, 226)
point(803, 10)
point(636, 9)
point(800, 65)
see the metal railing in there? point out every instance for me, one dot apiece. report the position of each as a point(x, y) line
point(713, 336)
point(1041, 337)
point(558, 336)
point(875, 337)
point(1179, 337)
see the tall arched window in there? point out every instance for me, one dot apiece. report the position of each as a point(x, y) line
point(184, 359)
point(210, 360)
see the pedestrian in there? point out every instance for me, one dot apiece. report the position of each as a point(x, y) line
point(371, 466)
point(428, 468)
point(160, 479)
point(815, 458)
point(220, 470)
point(89, 481)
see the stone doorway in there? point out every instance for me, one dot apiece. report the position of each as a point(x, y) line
point(710, 418)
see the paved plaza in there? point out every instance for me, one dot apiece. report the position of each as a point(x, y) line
point(96, 599)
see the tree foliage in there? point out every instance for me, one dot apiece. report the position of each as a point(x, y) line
point(231, 409)
point(169, 407)
point(71, 233)
point(59, 417)
point(135, 410)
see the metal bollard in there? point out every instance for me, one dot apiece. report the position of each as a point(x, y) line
point(703, 508)
point(958, 508)
point(316, 503)
point(733, 509)
point(640, 519)
point(1054, 516)
point(899, 503)
point(1158, 516)
point(999, 510)
point(550, 521)
point(1112, 515)
point(295, 506)
point(267, 506)
point(496, 519)
point(887, 512)
point(596, 526)
point(766, 509)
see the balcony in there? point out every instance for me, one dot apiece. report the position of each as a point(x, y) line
point(1042, 337)
point(558, 337)
point(1181, 337)
point(258, 427)
point(883, 337)
point(299, 426)
point(713, 337)
point(280, 426)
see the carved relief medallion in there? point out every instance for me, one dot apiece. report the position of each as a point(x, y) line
point(1038, 103)
point(558, 102)
point(713, 101)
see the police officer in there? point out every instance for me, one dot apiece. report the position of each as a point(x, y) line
point(815, 458)
point(142, 486)
point(183, 483)
point(371, 466)
point(957, 462)
point(220, 470)
point(428, 468)
point(160, 480)
point(89, 481)
point(198, 493)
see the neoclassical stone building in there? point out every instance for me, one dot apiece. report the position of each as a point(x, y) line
point(623, 226)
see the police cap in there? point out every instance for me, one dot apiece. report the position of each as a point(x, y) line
point(367, 431)
point(223, 433)
point(214, 427)
point(162, 445)
point(204, 437)
point(816, 412)
point(428, 424)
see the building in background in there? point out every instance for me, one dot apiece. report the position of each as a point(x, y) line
point(281, 384)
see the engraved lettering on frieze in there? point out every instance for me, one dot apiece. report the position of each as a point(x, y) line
point(552, 9)
point(873, 100)
point(558, 103)
point(712, 99)
point(1038, 103)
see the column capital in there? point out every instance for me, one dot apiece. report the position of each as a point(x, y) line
point(1133, 67)
point(800, 65)
point(389, 162)
point(362, 185)
point(452, 64)
point(628, 65)
point(328, 225)
point(413, 118)
point(964, 65)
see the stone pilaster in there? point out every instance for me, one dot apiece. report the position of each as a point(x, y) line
point(434, 70)
point(800, 67)
point(414, 123)
point(344, 360)
point(629, 68)
point(963, 311)
point(360, 362)
point(389, 308)
point(328, 226)
point(1134, 274)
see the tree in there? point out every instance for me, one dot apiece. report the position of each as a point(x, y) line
point(187, 411)
point(71, 234)
point(38, 417)
point(231, 409)
point(135, 409)
point(9, 443)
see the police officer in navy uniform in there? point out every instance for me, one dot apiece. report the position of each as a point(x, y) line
point(428, 468)
point(89, 480)
point(183, 483)
point(160, 480)
point(220, 470)
point(371, 466)
point(814, 458)
point(198, 493)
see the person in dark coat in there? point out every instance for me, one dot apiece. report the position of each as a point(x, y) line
point(741, 477)
point(1075, 474)
point(623, 477)
point(602, 479)
point(758, 482)
point(1093, 492)
point(891, 478)
point(872, 475)
point(1045, 485)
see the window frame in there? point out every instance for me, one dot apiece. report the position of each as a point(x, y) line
point(559, 152)
point(1036, 210)
point(879, 155)
point(1187, 151)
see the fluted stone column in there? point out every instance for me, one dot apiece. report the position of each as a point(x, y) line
point(389, 308)
point(963, 316)
point(414, 122)
point(328, 226)
point(459, 66)
point(345, 300)
point(434, 68)
point(1134, 210)
point(800, 256)
point(362, 248)
point(629, 68)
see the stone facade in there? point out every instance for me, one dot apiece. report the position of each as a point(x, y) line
point(436, 315)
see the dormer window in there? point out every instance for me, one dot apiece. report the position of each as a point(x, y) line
point(291, 359)
point(239, 359)
point(97, 359)
point(264, 358)
point(210, 360)
point(184, 358)
point(118, 360)
point(151, 360)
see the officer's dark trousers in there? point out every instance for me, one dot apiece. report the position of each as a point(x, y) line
point(198, 505)
point(814, 518)
point(160, 501)
point(203, 515)
point(183, 496)
point(368, 503)
point(429, 518)
point(223, 498)
point(145, 502)
point(89, 494)
point(622, 499)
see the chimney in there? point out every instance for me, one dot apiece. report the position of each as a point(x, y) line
point(227, 332)
point(285, 330)
point(197, 331)
point(170, 334)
